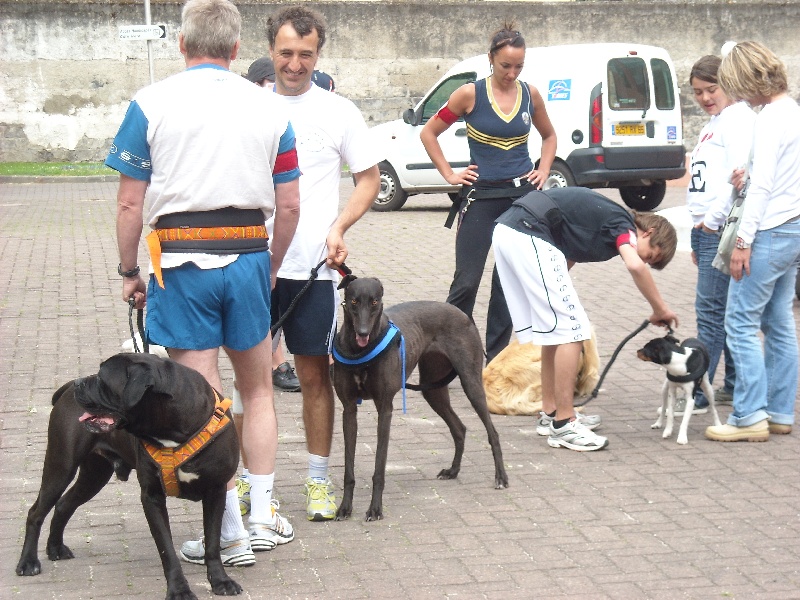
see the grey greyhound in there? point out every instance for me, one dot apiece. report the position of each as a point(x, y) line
point(441, 340)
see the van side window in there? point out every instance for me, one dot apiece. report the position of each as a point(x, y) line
point(441, 94)
point(628, 87)
point(662, 82)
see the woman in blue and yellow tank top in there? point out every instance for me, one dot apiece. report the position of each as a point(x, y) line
point(499, 112)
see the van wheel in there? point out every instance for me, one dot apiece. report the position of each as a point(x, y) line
point(390, 195)
point(560, 176)
point(644, 197)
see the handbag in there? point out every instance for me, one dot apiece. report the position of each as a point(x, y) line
point(730, 231)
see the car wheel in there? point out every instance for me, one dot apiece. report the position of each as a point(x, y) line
point(560, 176)
point(390, 195)
point(644, 197)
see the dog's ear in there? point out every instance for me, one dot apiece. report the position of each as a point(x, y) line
point(672, 339)
point(140, 381)
point(346, 280)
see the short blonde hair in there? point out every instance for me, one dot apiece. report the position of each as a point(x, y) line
point(210, 28)
point(751, 70)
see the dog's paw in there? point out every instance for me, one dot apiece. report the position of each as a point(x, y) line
point(59, 552)
point(182, 593)
point(374, 514)
point(500, 481)
point(28, 567)
point(683, 439)
point(667, 433)
point(343, 513)
point(656, 425)
point(226, 587)
point(450, 473)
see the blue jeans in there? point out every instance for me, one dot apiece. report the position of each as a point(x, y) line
point(766, 379)
point(709, 305)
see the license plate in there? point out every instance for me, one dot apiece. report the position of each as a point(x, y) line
point(629, 129)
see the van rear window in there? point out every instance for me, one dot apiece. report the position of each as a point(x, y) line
point(628, 87)
point(662, 83)
point(441, 94)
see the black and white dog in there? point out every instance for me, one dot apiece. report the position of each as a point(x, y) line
point(687, 370)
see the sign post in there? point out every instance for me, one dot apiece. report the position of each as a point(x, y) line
point(148, 32)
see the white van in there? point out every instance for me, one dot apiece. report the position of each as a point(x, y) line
point(616, 112)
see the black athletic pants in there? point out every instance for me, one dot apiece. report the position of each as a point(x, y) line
point(473, 241)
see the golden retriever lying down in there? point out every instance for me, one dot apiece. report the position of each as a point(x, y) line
point(513, 380)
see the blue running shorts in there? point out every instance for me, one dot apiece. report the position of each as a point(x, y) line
point(208, 308)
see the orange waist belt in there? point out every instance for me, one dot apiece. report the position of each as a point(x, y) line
point(170, 459)
point(198, 234)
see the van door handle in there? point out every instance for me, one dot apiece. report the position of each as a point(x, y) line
point(461, 132)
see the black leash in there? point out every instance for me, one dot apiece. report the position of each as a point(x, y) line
point(596, 390)
point(139, 324)
point(344, 271)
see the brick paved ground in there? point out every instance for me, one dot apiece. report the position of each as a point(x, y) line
point(645, 518)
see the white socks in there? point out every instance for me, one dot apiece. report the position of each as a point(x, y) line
point(318, 467)
point(232, 524)
point(260, 498)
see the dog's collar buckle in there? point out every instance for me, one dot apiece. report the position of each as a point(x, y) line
point(170, 459)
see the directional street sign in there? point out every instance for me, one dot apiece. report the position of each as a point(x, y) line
point(142, 32)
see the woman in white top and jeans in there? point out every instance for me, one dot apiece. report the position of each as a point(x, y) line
point(723, 145)
point(764, 263)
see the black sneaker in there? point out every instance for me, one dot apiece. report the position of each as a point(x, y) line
point(284, 378)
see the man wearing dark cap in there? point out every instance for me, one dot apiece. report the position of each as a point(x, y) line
point(323, 80)
point(262, 71)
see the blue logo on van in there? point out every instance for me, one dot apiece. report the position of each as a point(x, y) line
point(559, 89)
point(672, 133)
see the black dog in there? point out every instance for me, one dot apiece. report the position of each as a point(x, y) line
point(98, 424)
point(687, 370)
point(438, 337)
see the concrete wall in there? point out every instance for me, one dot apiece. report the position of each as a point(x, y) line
point(66, 78)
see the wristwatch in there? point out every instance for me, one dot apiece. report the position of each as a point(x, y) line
point(132, 273)
point(741, 244)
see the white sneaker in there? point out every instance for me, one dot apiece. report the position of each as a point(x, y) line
point(265, 537)
point(576, 436)
point(234, 553)
point(591, 422)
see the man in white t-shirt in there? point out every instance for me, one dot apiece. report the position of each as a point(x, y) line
point(330, 133)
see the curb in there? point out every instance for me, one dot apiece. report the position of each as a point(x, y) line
point(57, 178)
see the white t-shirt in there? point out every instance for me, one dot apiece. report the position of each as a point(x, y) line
point(205, 139)
point(773, 197)
point(330, 132)
point(724, 145)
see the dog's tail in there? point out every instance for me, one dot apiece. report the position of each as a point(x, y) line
point(423, 387)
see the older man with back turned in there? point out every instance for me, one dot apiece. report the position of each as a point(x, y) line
point(211, 156)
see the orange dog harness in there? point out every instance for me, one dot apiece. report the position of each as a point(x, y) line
point(170, 459)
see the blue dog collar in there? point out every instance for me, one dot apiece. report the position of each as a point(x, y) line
point(387, 339)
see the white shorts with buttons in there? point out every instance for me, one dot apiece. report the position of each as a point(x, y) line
point(544, 306)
